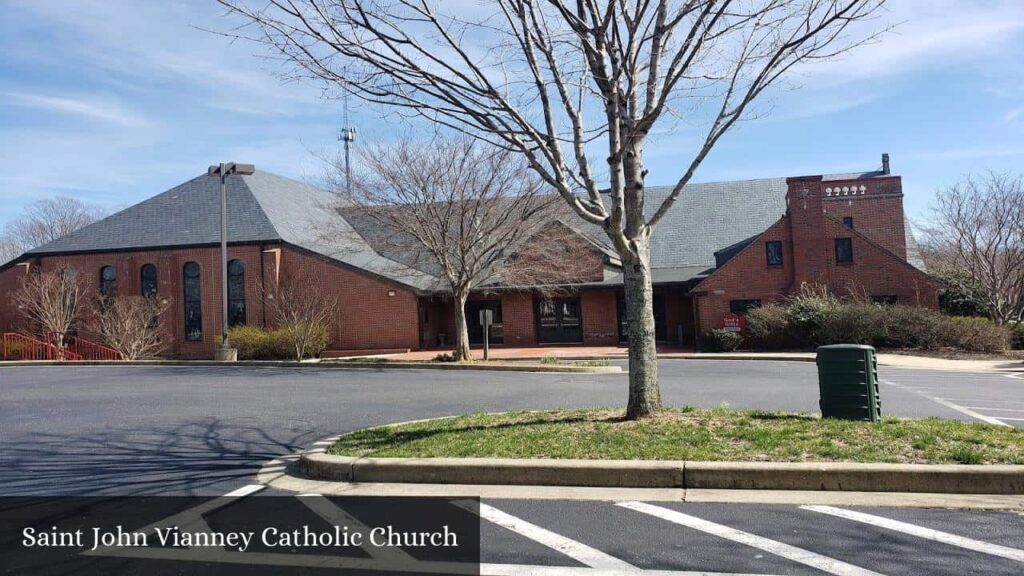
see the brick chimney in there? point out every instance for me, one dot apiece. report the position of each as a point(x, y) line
point(885, 163)
point(807, 226)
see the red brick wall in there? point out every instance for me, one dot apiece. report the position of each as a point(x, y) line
point(747, 276)
point(372, 313)
point(367, 316)
point(169, 265)
point(808, 234)
point(600, 317)
point(517, 312)
point(876, 272)
point(877, 211)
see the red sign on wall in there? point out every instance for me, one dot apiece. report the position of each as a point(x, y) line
point(733, 322)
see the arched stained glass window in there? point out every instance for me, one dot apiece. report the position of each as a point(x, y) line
point(193, 300)
point(148, 280)
point(236, 293)
point(108, 281)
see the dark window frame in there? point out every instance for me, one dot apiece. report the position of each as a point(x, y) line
point(743, 305)
point(780, 260)
point(149, 280)
point(848, 222)
point(559, 316)
point(844, 255)
point(192, 301)
point(237, 313)
point(108, 282)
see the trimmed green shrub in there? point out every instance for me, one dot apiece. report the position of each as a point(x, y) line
point(768, 327)
point(811, 320)
point(255, 343)
point(252, 342)
point(912, 327)
point(852, 323)
point(975, 334)
point(719, 340)
point(808, 313)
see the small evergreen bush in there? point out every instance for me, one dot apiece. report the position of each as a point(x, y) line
point(719, 340)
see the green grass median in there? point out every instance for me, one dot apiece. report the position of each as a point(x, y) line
point(691, 434)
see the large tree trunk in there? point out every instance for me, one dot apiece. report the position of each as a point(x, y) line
point(461, 329)
point(644, 391)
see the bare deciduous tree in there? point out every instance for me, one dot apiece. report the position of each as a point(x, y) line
point(51, 301)
point(978, 225)
point(301, 308)
point(456, 208)
point(558, 81)
point(130, 325)
point(45, 221)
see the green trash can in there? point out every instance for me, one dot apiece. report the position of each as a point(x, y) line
point(848, 381)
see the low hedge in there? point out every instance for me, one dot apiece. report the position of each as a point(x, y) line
point(719, 340)
point(255, 343)
point(816, 320)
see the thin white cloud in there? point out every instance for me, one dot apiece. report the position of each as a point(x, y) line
point(103, 111)
point(1014, 115)
point(930, 34)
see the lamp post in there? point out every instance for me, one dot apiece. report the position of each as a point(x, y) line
point(224, 352)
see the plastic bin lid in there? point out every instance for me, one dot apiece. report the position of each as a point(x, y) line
point(845, 347)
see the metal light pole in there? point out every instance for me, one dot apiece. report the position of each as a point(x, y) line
point(225, 352)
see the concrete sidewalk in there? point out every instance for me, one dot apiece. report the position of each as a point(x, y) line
point(675, 352)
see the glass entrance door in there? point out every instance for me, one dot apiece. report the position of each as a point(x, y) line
point(660, 318)
point(559, 320)
point(476, 330)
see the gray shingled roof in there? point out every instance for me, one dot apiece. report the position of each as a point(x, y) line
point(264, 207)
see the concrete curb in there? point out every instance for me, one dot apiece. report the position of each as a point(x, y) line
point(919, 478)
point(505, 367)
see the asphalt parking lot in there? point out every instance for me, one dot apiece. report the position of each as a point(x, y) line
point(562, 538)
point(206, 430)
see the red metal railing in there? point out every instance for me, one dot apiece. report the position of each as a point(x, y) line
point(86, 349)
point(21, 347)
point(91, 350)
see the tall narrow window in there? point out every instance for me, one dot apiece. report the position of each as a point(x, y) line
point(844, 250)
point(193, 302)
point(108, 282)
point(236, 293)
point(773, 252)
point(147, 280)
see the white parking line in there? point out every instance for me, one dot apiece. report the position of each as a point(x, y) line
point(335, 516)
point(982, 400)
point(812, 559)
point(920, 532)
point(950, 405)
point(576, 550)
point(1021, 410)
point(246, 490)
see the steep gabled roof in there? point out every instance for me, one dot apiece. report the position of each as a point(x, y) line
point(264, 207)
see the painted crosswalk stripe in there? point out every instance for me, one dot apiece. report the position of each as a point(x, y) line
point(806, 557)
point(576, 550)
point(246, 490)
point(335, 516)
point(921, 532)
point(950, 405)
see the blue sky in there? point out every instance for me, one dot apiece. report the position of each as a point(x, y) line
point(112, 102)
